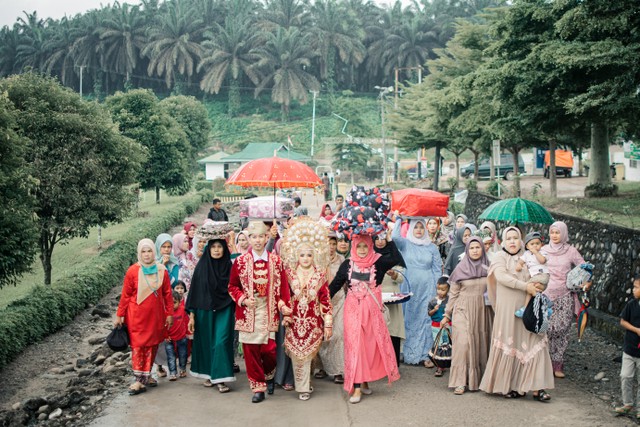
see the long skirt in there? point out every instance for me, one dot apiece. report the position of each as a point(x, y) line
point(332, 351)
point(284, 366)
point(142, 362)
point(559, 330)
point(212, 355)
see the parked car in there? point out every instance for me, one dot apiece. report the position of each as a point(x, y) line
point(564, 163)
point(505, 169)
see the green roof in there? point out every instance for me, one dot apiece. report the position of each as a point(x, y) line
point(214, 158)
point(260, 150)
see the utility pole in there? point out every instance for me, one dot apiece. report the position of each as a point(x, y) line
point(81, 70)
point(383, 90)
point(313, 121)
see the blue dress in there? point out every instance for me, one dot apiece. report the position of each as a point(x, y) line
point(424, 267)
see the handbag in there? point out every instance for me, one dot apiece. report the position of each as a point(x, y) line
point(578, 276)
point(537, 314)
point(383, 308)
point(440, 353)
point(118, 338)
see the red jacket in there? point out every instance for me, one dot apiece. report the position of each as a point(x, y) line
point(241, 286)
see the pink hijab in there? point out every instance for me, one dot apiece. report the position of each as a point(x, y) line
point(372, 255)
point(178, 241)
point(557, 249)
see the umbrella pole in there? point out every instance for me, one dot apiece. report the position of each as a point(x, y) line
point(274, 204)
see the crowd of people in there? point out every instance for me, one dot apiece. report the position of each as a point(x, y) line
point(300, 301)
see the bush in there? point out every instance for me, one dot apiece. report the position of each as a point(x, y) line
point(455, 207)
point(203, 185)
point(218, 185)
point(492, 188)
point(48, 308)
point(471, 184)
point(453, 183)
point(601, 190)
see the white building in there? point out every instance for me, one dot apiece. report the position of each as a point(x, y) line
point(215, 167)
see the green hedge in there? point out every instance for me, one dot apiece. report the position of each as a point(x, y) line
point(47, 309)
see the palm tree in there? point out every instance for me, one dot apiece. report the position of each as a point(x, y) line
point(283, 60)
point(285, 14)
point(88, 48)
point(229, 55)
point(339, 34)
point(173, 46)
point(9, 41)
point(31, 51)
point(61, 60)
point(410, 44)
point(122, 36)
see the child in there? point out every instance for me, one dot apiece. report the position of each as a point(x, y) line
point(177, 335)
point(630, 320)
point(180, 288)
point(534, 259)
point(436, 308)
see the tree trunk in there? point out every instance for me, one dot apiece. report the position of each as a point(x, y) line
point(476, 169)
point(492, 167)
point(46, 249)
point(436, 168)
point(553, 179)
point(234, 98)
point(599, 173)
point(580, 167)
point(157, 195)
point(458, 168)
point(516, 171)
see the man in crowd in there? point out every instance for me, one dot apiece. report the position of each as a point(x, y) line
point(216, 213)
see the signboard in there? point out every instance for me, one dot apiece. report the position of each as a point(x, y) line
point(631, 151)
point(496, 152)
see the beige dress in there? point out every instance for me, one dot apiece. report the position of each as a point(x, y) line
point(518, 360)
point(396, 318)
point(331, 354)
point(470, 332)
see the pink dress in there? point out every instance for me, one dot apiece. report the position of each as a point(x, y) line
point(368, 352)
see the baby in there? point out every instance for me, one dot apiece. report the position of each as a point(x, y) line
point(534, 259)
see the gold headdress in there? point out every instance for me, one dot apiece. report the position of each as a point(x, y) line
point(303, 233)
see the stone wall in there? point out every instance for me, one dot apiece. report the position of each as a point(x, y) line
point(611, 249)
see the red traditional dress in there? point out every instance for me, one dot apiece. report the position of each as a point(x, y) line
point(311, 307)
point(145, 306)
point(263, 278)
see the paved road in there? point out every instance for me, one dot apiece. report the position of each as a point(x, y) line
point(567, 187)
point(418, 399)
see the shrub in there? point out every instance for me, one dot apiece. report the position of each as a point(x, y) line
point(601, 190)
point(492, 188)
point(218, 185)
point(453, 183)
point(203, 185)
point(471, 184)
point(455, 207)
point(48, 308)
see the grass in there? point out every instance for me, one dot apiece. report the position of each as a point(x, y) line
point(621, 210)
point(79, 252)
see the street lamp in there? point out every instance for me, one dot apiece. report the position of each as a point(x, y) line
point(383, 90)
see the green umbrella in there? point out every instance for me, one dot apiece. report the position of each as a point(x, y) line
point(517, 211)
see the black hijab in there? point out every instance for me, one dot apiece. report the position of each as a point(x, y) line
point(391, 252)
point(210, 282)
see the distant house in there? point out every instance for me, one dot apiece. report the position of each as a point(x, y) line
point(215, 167)
point(223, 165)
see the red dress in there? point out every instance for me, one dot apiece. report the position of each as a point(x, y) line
point(146, 321)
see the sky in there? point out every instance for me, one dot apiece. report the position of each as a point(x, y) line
point(10, 10)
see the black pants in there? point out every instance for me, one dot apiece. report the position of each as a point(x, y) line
point(396, 347)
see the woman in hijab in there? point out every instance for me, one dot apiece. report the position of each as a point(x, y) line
point(391, 284)
point(368, 351)
point(332, 352)
point(212, 317)
point(490, 227)
point(562, 257)
point(191, 260)
point(461, 220)
point(189, 230)
point(180, 247)
point(164, 251)
point(471, 330)
point(344, 246)
point(448, 225)
point(146, 307)
point(326, 212)
point(457, 250)
point(242, 243)
point(424, 266)
point(518, 360)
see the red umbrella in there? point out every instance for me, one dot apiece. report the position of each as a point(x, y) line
point(274, 172)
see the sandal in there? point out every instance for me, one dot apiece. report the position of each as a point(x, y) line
point(439, 372)
point(514, 395)
point(136, 391)
point(320, 374)
point(304, 396)
point(222, 388)
point(152, 382)
point(172, 377)
point(338, 379)
point(207, 383)
point(183, 374)
point(459, 390)
point(559, 374)
point(429, 364)
point(623, 410)
point(542, 396)
point(288, 387)
point(161, 372)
